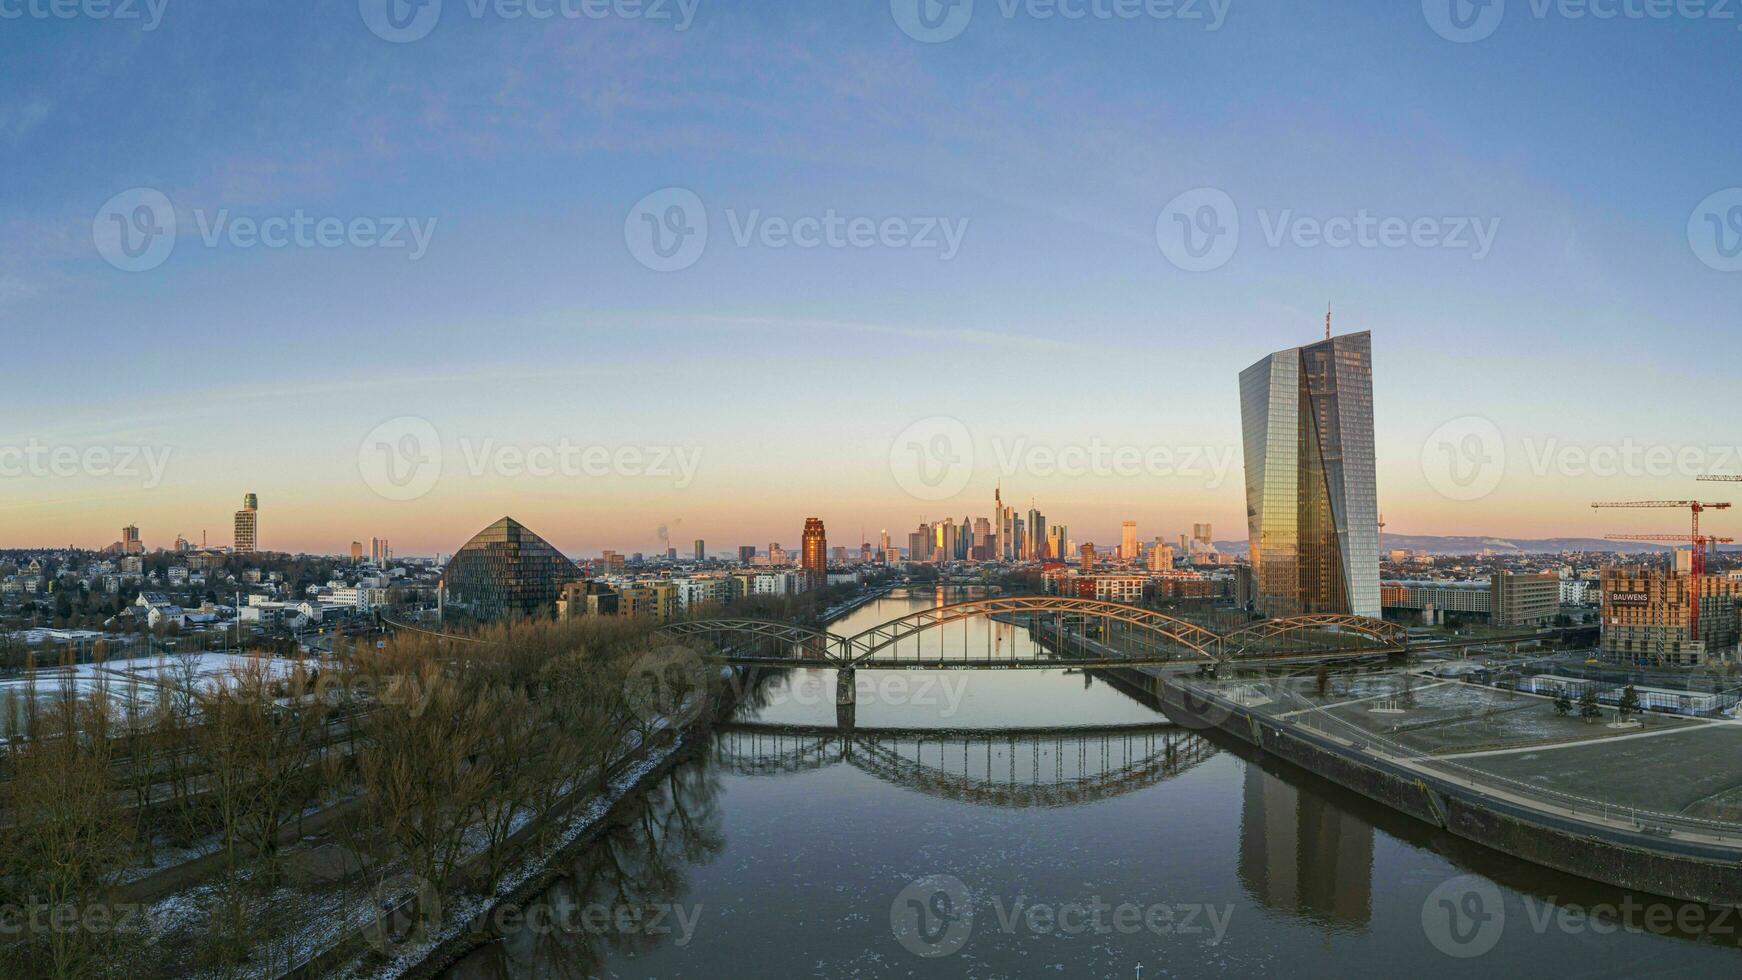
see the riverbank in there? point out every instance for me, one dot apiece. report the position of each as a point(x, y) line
point(1608, 850)
point(538, 872)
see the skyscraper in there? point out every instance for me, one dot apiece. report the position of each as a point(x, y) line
point(814, 559)
point(248, 525)
point(1128, 540)
point(701, 550)
point(1312, 505)
point(130, 543)
point(1000, 531)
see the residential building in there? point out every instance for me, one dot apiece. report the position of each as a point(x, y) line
point(247, 539)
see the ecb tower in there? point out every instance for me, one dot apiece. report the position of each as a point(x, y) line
point(1312, 509)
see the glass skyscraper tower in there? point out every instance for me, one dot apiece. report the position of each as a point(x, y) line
point(1312, 508)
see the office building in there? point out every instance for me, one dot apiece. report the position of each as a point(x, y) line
point(356, 552)
point(1128, 541)
point(746, 554)
point(505, 572)
point(701, 550)
point(1311, 494)
point(814, 553)
point(1524, 600)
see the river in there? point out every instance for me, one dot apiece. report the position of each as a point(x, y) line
point(1135, 851)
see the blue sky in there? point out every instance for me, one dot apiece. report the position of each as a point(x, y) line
point(1054, 144)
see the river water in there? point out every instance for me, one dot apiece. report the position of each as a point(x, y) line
point(1134, 851)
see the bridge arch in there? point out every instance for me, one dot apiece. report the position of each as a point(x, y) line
point(1014, 768)
point(1237, 642)
point(862, 647)
point(827, 646)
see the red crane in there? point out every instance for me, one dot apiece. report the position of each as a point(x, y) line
point(1700, 543)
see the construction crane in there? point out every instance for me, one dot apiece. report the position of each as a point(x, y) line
point(1700, 543)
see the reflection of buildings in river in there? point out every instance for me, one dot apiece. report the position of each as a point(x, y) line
point(1299, 853)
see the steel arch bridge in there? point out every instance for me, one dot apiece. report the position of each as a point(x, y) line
point(1002, 768)
point(1162, 640)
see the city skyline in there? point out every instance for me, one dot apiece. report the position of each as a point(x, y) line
point(1377, 118)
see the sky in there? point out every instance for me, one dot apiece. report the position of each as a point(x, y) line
point(712, 268)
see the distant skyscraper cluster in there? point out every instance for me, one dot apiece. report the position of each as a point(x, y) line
point(1005, 536)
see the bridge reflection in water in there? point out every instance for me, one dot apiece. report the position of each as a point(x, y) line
point(1031, 767)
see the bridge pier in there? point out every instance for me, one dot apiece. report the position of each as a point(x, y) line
point(846, 698)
